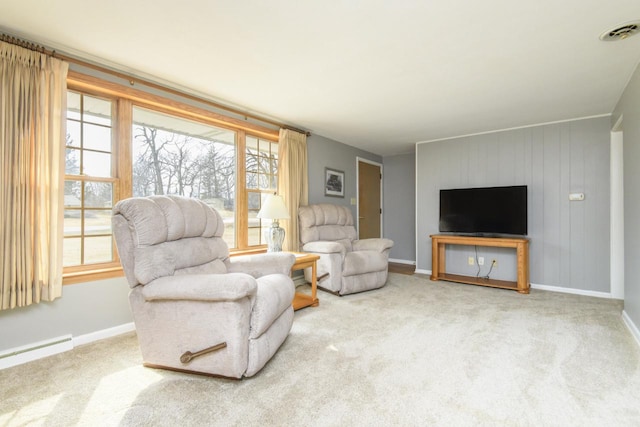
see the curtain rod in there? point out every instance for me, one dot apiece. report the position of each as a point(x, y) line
point(304, 132)
point(23, 43)
point(132, 80)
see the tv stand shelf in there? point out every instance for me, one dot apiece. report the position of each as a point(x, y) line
point(520, 244)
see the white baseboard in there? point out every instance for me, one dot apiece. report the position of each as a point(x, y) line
point(632, 326)
point(555, 289)
point(402, 261)
point(104, 333)
point(38, 350)
point(596, 294)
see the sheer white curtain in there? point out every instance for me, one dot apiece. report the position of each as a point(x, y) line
point(292, 182)
point(32, 147)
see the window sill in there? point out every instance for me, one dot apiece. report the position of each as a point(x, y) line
point(239, 252)
point(90, 276)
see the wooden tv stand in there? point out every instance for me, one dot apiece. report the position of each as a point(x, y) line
point(438, 260)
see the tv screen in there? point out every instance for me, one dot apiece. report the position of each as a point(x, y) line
point(489, 210)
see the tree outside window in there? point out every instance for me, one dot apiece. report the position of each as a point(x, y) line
point(181, 157)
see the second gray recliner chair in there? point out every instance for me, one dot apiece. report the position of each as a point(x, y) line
point(352, 265)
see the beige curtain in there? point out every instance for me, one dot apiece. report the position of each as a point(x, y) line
point(292, 182)
point(32, 147)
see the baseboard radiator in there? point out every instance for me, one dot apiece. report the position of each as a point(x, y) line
point(38, 350)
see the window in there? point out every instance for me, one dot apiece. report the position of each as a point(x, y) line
point(123, 142)
point(89, 181)
point(171, 155)
point(262, 179)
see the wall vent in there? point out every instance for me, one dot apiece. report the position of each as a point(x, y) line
point(621, 32)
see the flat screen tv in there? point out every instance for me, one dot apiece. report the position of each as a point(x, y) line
point(484, 211)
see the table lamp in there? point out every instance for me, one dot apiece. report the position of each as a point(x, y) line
point(274, 209)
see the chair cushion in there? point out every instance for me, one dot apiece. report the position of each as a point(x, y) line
point(158, 219)
point(360, 262)
point(274, 295)
point(325, 222)
point(201, 287)
point(216, 266)
point(348, 246)
point(196, 254)
point(166, 234)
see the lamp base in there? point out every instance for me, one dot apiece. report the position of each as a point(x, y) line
point(274, 236)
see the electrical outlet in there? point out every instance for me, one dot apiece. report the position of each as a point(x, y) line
point(481, 260)
point(471, 261)
point(494, 263)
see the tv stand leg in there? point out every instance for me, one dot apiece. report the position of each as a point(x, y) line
point(438, 260)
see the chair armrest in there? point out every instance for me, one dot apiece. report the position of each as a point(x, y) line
point(259, 265)
point(201, 287)
point(324, 247)
point(379, 245)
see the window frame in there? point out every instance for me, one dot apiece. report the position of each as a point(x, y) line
point(259, 189)
point(125, 98)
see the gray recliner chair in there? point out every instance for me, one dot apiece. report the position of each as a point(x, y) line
point(196, 309)
point(346, 265)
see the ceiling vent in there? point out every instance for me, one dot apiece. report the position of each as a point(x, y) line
point(621, 32)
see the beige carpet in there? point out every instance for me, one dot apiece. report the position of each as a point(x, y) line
point(413, 353)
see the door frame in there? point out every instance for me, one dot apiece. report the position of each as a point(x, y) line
point(617, 258)
point(371, 162)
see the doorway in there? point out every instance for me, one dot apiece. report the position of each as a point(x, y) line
point(369, 199)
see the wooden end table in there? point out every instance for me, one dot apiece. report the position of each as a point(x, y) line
point(305, 260)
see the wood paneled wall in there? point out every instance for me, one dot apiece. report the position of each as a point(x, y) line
point(569, 239)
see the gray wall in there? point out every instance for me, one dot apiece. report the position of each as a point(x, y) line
point(569, 240)
point(84, 308)
point(324, 152)
point(629, 109)
point(399, 205)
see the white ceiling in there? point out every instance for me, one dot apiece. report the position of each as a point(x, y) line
point(379, 75)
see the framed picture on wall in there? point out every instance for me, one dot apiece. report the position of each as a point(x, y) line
point(333, 183)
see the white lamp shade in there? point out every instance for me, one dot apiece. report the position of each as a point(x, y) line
point(273, 208)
